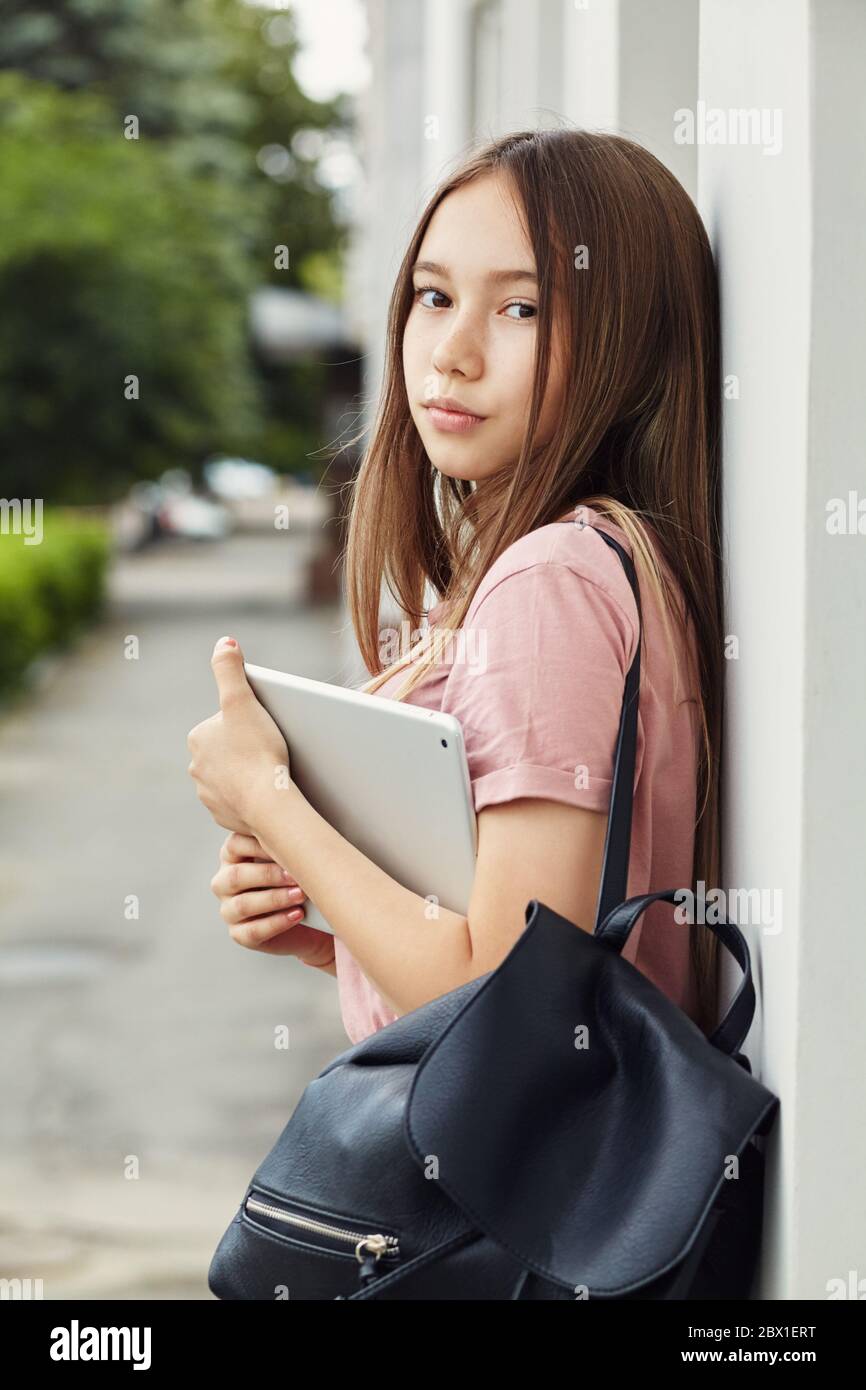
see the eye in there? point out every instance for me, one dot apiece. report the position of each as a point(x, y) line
point(522, 304)
point(516, 304)
point(429, 289)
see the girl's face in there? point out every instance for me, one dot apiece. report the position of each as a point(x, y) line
point(471, 335)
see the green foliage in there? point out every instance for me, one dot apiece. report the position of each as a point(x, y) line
point(113, 264)
point(134, 257)
point(49, 590)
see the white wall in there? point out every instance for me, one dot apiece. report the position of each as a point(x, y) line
point(756, 208)
point(829, 1112)
point(392, 143)
point(391, 133)
point(627, 66)
point(785, 228)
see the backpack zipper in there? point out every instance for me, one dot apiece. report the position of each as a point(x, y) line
point(367, 1245)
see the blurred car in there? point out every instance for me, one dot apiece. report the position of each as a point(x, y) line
point(240, 480)
point(169, 507)
point(186, 515)
point(137, 517)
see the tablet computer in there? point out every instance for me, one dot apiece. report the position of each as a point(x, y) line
point(391, 777)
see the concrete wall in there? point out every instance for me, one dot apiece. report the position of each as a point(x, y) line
point(784, 227)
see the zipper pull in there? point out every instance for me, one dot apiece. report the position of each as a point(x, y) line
point(368, 1253)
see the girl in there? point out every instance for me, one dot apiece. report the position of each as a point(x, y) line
point(552, 370)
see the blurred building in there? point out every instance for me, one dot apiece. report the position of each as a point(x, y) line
point(289, 325)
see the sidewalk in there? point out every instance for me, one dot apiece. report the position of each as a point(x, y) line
point(148, 1035)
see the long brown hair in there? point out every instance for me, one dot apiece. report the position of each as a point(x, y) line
point(637, 437)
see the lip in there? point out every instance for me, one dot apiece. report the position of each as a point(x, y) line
point(451, 403)
point(449, 415)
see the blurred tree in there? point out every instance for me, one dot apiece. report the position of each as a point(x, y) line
point(124, 256)
point(114, 265)
point(215, 77)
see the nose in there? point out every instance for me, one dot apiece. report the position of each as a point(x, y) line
point(459, 350)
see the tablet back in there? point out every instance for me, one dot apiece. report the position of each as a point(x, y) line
point(392, 778)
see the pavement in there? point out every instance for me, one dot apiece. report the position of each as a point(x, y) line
point(140, 1085)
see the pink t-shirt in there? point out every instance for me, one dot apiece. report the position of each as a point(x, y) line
point(539, 693)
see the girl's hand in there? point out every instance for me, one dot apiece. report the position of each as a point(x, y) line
point(238, 752)
point(262, 905)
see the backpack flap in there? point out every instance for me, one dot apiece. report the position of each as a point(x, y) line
point(577, 1115)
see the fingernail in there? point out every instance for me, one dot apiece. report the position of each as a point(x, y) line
point(227, 642)
point(287, 876)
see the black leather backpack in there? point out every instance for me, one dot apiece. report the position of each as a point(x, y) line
point(472, 1150)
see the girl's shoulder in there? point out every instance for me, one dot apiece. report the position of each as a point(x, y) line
point(569, 543)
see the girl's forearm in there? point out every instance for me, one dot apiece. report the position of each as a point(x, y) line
point(410, 950)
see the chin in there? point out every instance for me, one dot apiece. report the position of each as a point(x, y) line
point(457, 460)
point(456, 468)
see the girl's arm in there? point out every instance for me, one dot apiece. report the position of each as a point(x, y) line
point(527, 848)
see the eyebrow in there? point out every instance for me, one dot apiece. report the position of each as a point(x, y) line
point(495, 276)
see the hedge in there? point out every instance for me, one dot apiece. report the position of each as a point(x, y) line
point(48, 591)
